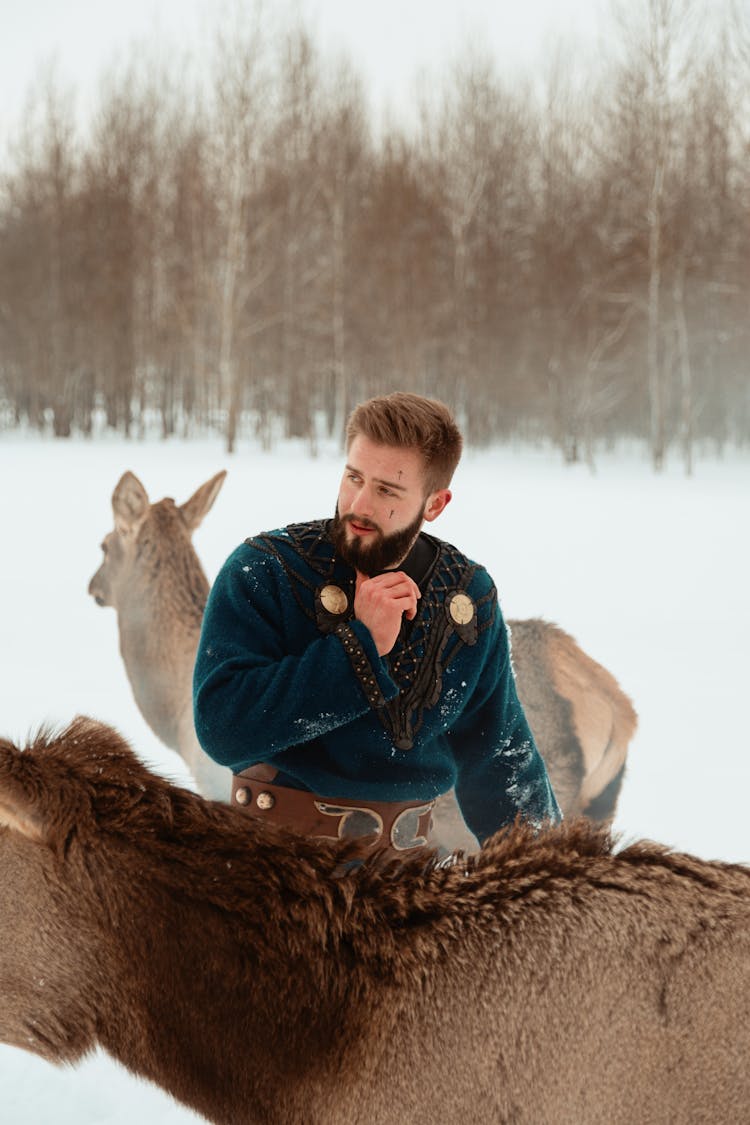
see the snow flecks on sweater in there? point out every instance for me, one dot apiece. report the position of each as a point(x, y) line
point(509, 635)
point(450, 705)
point(310, 728)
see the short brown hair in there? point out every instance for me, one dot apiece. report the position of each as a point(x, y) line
point(409, 421)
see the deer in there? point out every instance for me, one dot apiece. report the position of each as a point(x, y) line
point(581, 719)
point(152, 576)
point(258, 977)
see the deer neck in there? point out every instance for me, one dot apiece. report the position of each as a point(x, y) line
point(159, 626)
point(253, 1017)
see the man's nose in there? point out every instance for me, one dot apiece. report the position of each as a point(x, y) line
point(363, 501)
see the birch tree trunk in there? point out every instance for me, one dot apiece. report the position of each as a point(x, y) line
point(659, 13)
point(685, 370)
point(233, 255)
point(653, 350)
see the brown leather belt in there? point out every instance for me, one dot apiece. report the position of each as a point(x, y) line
point(396, 828)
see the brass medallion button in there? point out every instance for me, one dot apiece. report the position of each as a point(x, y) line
point(242, 796)
point(461, 609)
point(265, 800)
point(334, 600)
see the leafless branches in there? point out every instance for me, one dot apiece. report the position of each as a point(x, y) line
point(244, 256)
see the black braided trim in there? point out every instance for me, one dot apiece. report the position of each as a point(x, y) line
point(490, 596)
point(312, 546)
point(425, 648)
point(363, 669)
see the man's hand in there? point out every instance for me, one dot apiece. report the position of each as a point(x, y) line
point(380, 603)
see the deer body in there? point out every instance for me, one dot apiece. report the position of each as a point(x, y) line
point(547, 980)
point(581, 719)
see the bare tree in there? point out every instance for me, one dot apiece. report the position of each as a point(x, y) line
point(293, 163)
point(341, 154)
point(659, 44)
point(459, 137)
point(241, 90)
point(40, 298)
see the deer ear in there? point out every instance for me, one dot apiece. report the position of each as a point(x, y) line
point(130, 504)
point(12, 816)
point(17, 810)
point(200, 503)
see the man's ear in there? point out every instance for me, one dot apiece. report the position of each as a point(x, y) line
point(436, 502)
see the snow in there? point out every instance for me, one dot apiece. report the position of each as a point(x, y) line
point(649, 574)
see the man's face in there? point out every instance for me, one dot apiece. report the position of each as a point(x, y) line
point(382, 505)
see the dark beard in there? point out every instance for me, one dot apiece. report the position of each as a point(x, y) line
point(383, 553)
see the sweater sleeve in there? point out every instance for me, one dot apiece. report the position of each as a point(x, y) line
point(252, 697)
point(500, 772)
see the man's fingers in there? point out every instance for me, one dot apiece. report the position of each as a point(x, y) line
point(391, 580)
point(382, 602)
point(400, 599)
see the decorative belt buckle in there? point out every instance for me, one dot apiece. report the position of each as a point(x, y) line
point(360, 822)
point(354, 823)
point(405, 829)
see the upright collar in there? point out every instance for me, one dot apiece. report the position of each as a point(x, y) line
point(419, 562)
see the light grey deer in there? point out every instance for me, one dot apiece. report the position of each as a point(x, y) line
point(151, 574)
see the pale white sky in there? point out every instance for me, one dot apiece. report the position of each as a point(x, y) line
point(389, 41)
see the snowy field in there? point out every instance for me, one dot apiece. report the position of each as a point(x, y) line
point(649, 574)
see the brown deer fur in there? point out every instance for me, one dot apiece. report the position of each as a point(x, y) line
point(546, 980)
point(581, 719)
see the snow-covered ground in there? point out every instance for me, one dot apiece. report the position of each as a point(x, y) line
point(648, 573)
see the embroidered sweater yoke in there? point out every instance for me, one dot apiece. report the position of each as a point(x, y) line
point(285, 674)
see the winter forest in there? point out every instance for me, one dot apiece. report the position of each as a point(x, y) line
point(239, 248)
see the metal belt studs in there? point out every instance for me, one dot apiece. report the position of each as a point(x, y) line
point(264, 800)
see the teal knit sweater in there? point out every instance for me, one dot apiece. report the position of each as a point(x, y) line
point(286, 675)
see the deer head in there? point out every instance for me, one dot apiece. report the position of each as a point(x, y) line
point(133, 514)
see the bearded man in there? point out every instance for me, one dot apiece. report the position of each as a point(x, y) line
point(351, 670)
